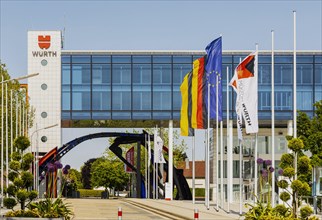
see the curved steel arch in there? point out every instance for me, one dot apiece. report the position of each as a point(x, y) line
point(121, 138)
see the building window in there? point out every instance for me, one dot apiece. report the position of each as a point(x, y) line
point(44, 139)
point(44, 62)
point(44, 114)
point(43, 86)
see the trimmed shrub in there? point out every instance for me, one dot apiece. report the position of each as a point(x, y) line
point(90, 193)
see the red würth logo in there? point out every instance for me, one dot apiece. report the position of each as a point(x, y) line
point(44, 41)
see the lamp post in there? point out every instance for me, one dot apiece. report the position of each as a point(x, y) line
point(2, 139)
point(36, 167)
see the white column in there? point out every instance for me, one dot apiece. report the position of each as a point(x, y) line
point(227, 141)
point(2, 181)
point(230, 162)
point(7, 143)
point(193, 170)
point(294, 79)
point(222, 165)
point(273, 123)
point(11, 123)
point(217, 145)
point(170, 171)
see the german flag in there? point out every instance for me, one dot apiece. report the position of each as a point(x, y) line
point(199, 86)
point(186, 106)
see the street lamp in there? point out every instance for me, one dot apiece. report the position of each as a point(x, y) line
point(7, 162)
point(36, 167)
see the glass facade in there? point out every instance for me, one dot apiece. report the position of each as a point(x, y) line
point(146, 86)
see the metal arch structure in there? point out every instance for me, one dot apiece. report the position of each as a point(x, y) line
point(120, 138)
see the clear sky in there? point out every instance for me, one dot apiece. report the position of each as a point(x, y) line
point(157, 25)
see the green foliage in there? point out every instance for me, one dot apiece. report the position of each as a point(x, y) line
point(21, 143)
point(18, 182)
point(32, 195)
point(295, 144)
point(75, 176)
point(52, 208)
point(304, 164)
point(286, 160)
point(316, 160)
point(262, 211)
point(281, 210)
point(22, 213)
point(22, 195)
point(16, 156)
point(296, 185)
point(28, 158)
point(14, 165)
point(306, 211)
point(25, 166)
point(284, 196)
point(20, 176)
point(12, 190)
point(289, 172)
point(283, 184)
point(86, 173)
point(27, 178)
point(90, 193)
point(305, 189)
point(109, 174)
point(9, 203)
point(200, 192)
point(12, 175)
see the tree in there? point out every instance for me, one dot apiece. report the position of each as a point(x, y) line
point(310, 131)
point(20, 176)
point(73, 181)
point(109, 174)
point(86, 173)
point(309, 134)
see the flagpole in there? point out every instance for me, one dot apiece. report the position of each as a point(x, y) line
point(256, 135)
point(229, 180)
point(240, 177)
point(193, 170)
point(294, 80)
point(221, 165)
point(154, 177)
point(170, 162)
point(273, 124)
point(149, 164)
point(217, 147)
point(146, 166)
point(294, 100)
point(207, 151)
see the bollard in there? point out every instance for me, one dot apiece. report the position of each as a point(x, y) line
point(196, 214)
point(119, 213)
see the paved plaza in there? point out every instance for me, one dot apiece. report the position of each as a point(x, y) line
point(145, 209)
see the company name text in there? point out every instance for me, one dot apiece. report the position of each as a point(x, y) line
point(44, 53)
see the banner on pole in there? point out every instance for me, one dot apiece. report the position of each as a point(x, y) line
point(129, 158)
point(158, 147)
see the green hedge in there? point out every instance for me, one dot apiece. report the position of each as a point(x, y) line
point(90, 193)
point(200, 192)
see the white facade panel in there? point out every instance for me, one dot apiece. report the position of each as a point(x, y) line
point(44, 57)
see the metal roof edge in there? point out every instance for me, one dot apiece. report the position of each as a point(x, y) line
point(171, 52)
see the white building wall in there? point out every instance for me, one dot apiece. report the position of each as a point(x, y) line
point(45, 100)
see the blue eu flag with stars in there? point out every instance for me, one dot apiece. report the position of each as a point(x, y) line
point(212, 69)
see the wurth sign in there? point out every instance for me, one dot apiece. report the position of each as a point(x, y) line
point(44, 43)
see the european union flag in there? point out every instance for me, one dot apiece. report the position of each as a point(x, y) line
point(213, 69)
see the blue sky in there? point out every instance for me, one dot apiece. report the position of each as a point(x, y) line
point(156, 25)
